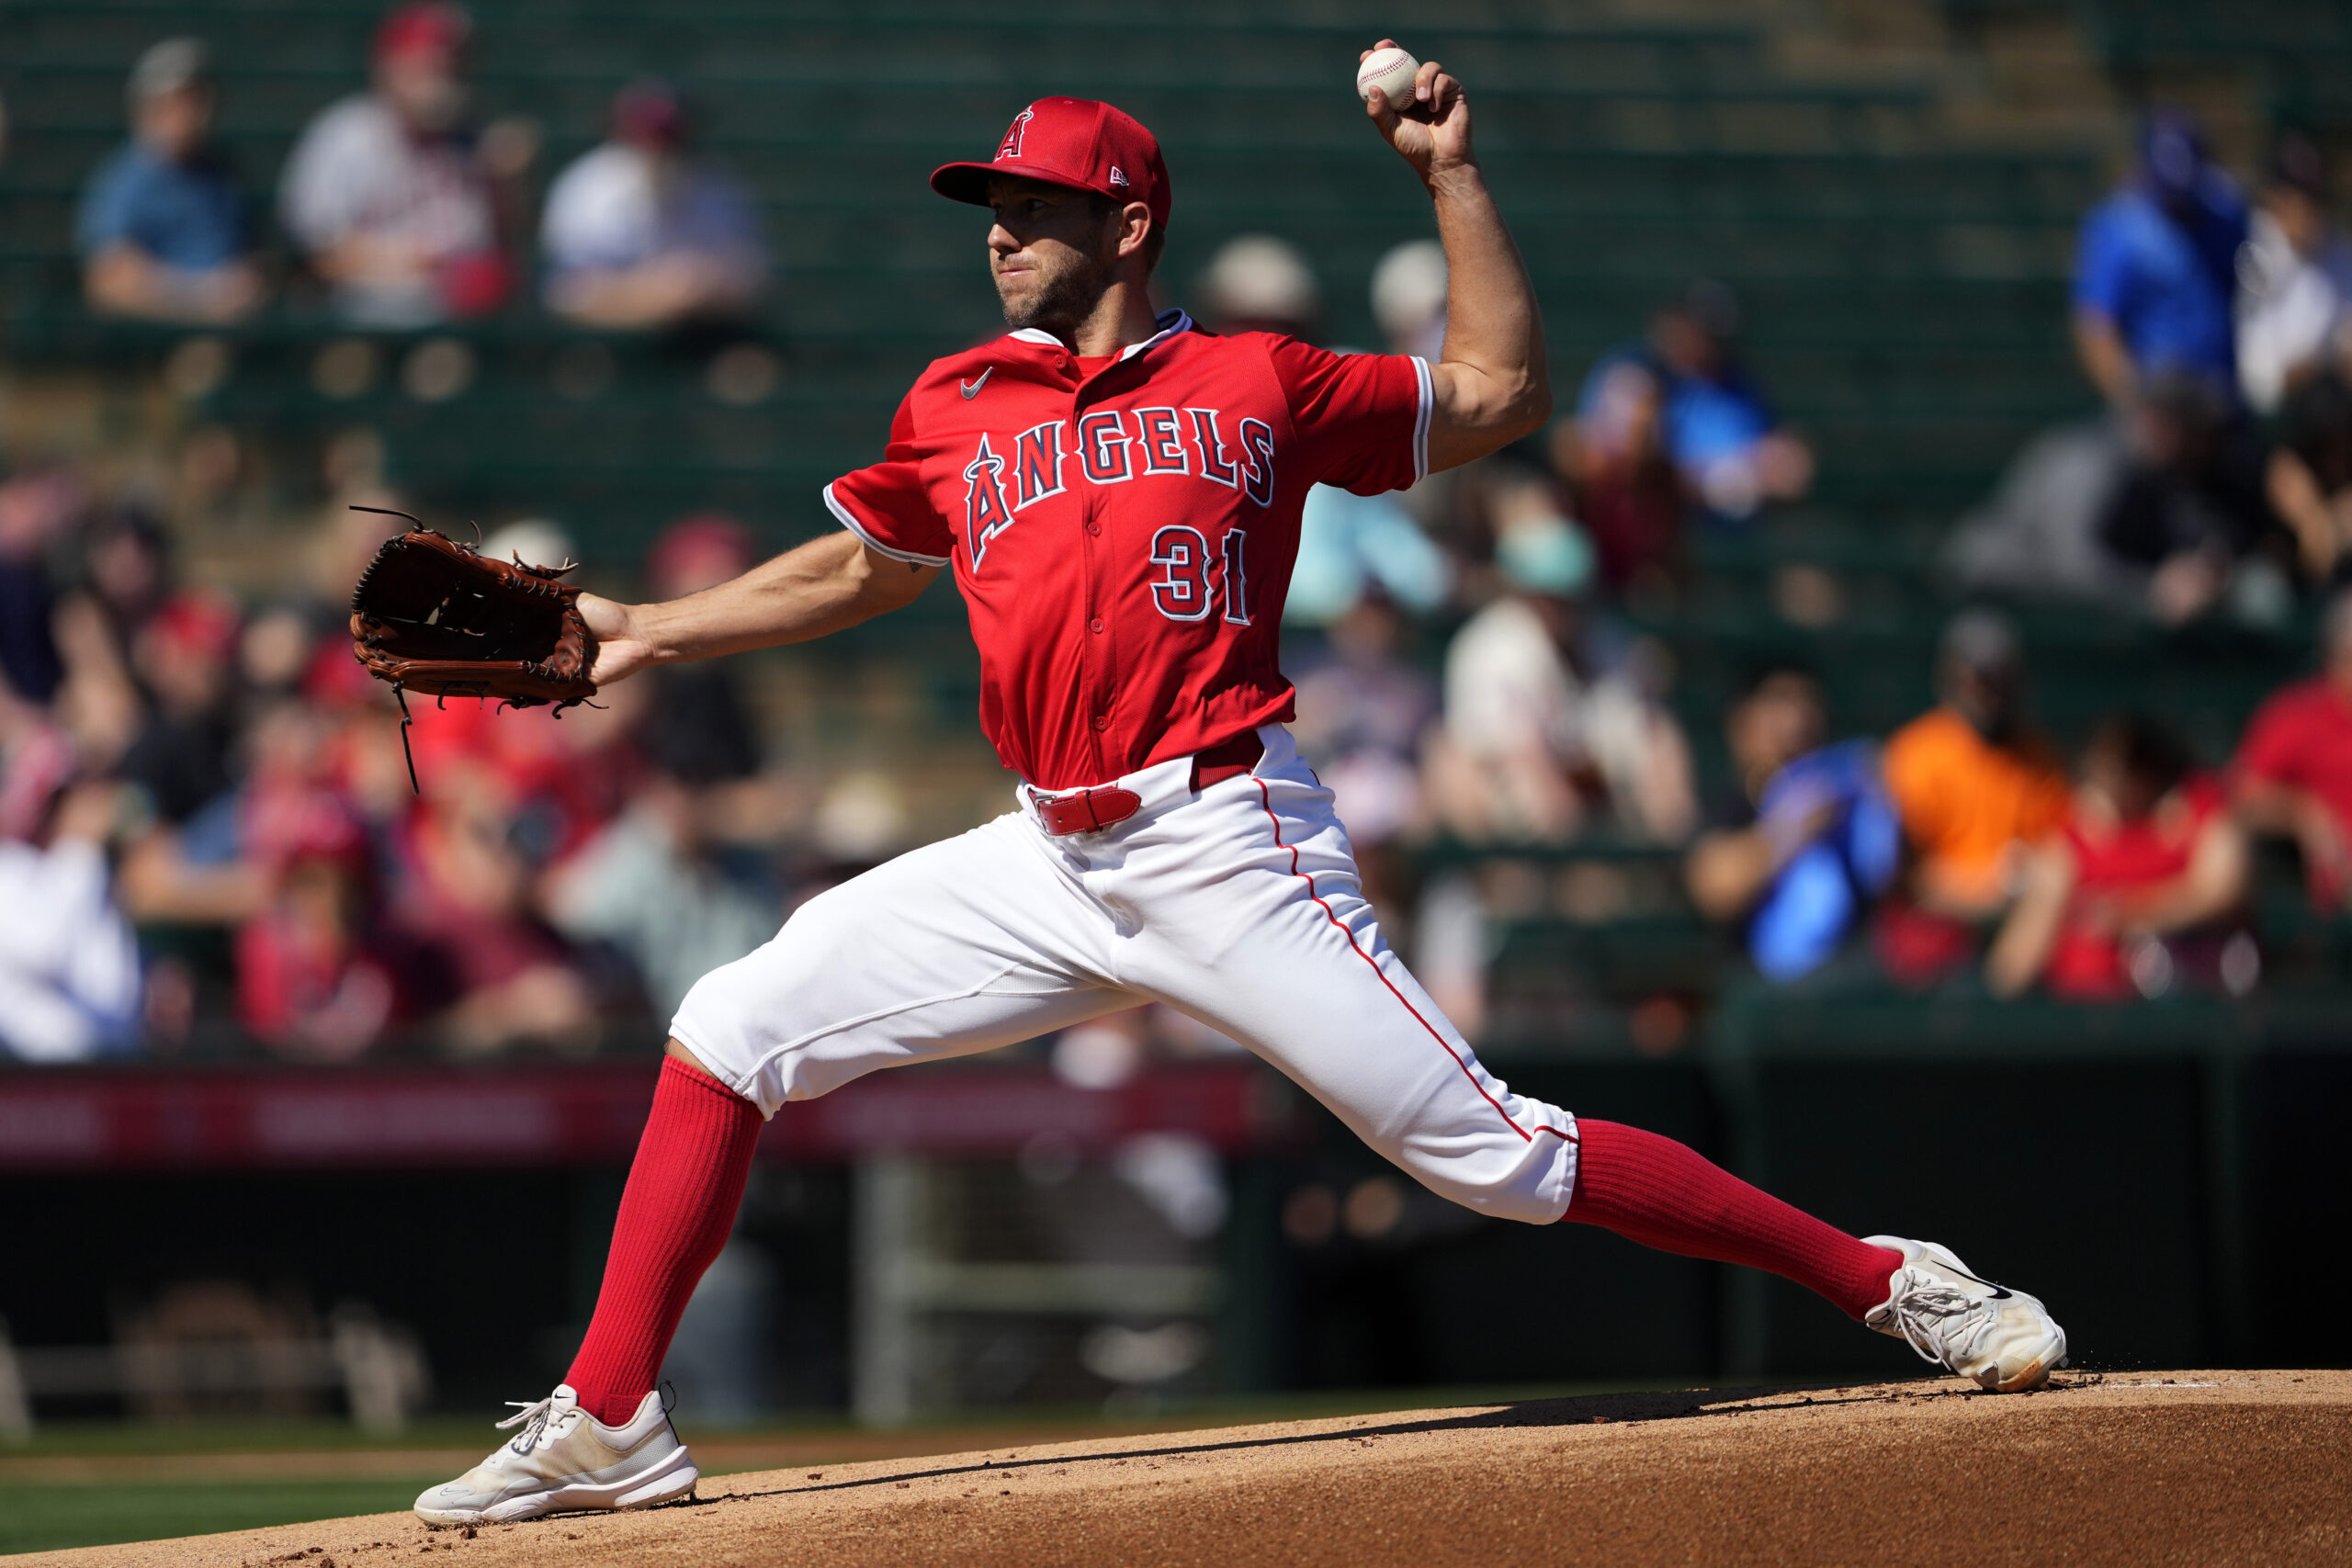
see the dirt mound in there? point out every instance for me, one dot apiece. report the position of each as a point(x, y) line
point(2140, 1469)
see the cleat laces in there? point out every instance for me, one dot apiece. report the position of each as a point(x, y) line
point(1940, 1322)
point(532, 1417)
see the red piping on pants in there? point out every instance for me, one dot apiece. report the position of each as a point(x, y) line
point(1267, 803)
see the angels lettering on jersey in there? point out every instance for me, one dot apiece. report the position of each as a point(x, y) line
point(1007, 474)
point(1122, 533)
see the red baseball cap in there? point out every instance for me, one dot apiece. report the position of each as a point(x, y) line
point(424, 27)
point(1070, 141)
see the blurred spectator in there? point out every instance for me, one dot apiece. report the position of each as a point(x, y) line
point(214, 862)
point(2308, 477)
point(2156, 269)
point(465, 894)
point(392, 196)
point(1539, 734)
point(1803, 837)
point(2188, 516)
point(1731, 451)
point(697, 726)
point(653, 885)
point(639, 234)
point(163, 229)
point(657, 882)
point(534, 541)
point(316, 978)
point(1363, 710)
point(1408, 288)
point(1347, 543)
point(1629, 492)
point(2139, 883)
point(69, 968)
point(2293, 776)
point(1256, 283)
point(1974, 786)
point(36, 508)
point(2294, 278)
point(185, 658)
point(125, 575)
point(2039, 534)
point(2159, 511)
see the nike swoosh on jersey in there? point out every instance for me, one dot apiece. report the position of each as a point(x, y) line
point(972, 388)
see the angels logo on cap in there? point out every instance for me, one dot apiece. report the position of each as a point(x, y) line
point(1011, 146)
point(1075, 143)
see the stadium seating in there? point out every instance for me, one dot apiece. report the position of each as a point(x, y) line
point(1901, 289)
point(1903, 286)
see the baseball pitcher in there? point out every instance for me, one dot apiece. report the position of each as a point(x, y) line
point(1118, 496)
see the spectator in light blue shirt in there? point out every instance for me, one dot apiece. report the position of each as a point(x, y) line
point(2155, 275)
point(639, 234)
point(162, 230)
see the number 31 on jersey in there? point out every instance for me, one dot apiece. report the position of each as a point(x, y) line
point(1188, 588)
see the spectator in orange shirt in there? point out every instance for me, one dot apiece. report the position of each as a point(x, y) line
point(1974, 783)
point(2293, 772)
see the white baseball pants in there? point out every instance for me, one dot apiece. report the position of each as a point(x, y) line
point(1239, 905)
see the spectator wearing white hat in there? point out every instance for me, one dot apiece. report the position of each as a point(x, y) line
point(1409, 297)
point(1347, 543)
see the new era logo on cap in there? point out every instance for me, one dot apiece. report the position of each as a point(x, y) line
point(1071, 141)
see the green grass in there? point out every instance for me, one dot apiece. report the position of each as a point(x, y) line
point(41, 1518)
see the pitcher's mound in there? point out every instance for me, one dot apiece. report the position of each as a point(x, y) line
point(2130, 1468)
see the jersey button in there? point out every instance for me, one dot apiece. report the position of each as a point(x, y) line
point(1095, 626)
point(1093, 528)
point(1102, 722)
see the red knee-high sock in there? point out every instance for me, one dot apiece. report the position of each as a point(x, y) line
point(676, 1212)
point(1663, 1194)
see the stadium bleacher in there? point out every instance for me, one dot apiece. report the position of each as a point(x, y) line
point(1903, 291)
point(1904, 284)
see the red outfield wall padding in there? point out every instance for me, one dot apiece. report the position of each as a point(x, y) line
point(393, 1118)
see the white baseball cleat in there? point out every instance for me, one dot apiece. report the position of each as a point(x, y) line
point(2001, 1339)
point(563, 1458)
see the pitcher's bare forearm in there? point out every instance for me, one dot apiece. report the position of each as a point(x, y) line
point(1490, 385)
point(824, 586)
point(1491, 381)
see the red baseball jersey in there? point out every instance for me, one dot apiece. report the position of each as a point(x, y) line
point(1123, 534)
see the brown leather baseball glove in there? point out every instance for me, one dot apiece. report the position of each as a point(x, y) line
point(434, 615)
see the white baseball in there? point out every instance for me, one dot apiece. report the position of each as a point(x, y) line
point(1392, 70)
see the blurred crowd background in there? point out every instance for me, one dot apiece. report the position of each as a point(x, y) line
point(1929, 603)
point(212, 849)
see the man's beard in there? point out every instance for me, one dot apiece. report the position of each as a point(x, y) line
point(1064, 300)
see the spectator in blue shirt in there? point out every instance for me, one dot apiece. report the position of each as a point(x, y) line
point(2157, 271)
point(162, 230)
point(1804, 837)
point(1734, 455)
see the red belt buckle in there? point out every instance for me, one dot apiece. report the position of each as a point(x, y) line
point(1087, 810)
